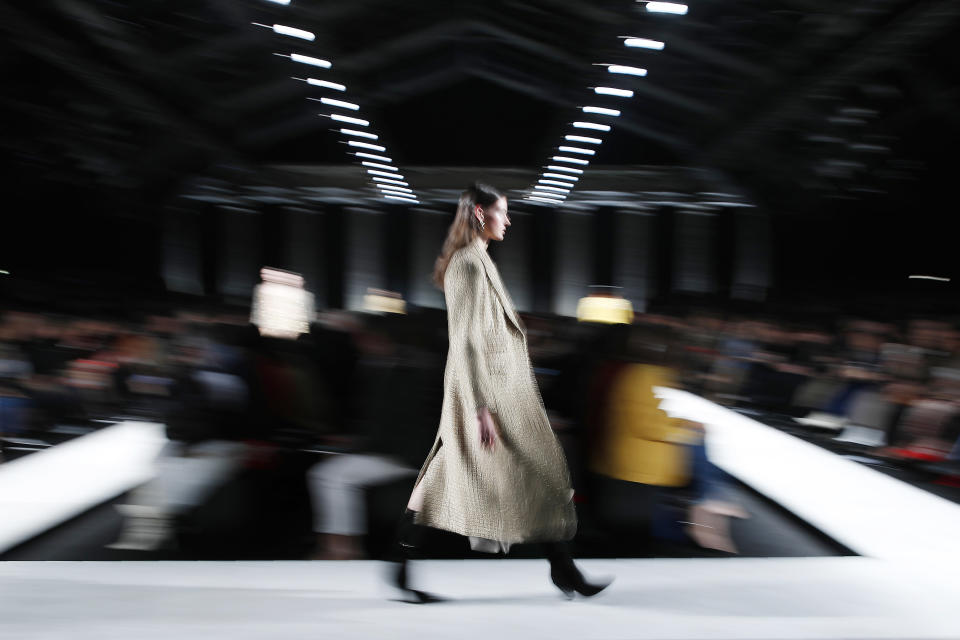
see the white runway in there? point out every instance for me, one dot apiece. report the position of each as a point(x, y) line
point(45, 489)
point(851, 598)
point(906, 586)
point(869, 512)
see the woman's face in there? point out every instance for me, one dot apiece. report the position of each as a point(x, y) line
point(495, 219)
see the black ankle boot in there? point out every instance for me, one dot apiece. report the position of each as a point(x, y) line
point(409, 537)
point(565, 574)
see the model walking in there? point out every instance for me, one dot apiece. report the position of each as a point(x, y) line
point(496, 473)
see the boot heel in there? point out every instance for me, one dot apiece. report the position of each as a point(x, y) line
point(408, 539)
point(565, 588)
point(567, 577)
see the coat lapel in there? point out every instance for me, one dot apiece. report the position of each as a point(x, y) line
point(492, 276)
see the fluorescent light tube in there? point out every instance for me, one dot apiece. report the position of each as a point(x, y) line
point(340, 103)
point(316, 62)
point(586, 152)
point(361, 154)
point(643, 43)
point(572, 160)
point(376, 172)
point(366, 145)
point(667, 7)
point(630, 71)
point(359, 134)
point(348, 119)
point(292, 32)
point(611, 91)
point(603, 111)
point(377, 165)
point(592, 125)
point(326, 84)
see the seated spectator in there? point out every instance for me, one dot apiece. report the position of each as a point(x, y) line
point(658, 455)
point(394, 418)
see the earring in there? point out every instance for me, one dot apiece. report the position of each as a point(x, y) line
point(482, 225)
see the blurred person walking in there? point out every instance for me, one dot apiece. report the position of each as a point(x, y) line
point(645, 463)
point(496, 472)
point(397, 395)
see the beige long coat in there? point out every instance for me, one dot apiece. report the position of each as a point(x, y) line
point(519, 491)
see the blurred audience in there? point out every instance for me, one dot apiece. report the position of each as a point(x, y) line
point(349, 409)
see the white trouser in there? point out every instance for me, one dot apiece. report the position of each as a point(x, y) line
point(186, 476)
point(337, 485)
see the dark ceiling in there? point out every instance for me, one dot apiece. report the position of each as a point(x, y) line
point(803, 106)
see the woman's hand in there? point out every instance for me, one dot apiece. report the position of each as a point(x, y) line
point(489, 433)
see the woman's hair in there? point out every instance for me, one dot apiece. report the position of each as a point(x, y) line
point(465, 227)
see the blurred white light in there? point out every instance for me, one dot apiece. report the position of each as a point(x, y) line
point(938, 279)
point(592, 125)
point(580, 150)
point(644, 43)
point(340, 103)
point(667, 7)
point(873, 148)
point(4, 272)
point(326, 84)
point(630, 71)
point(857, 111)
point(361, 154)
point(400, 194)
point(610, 91)
point(556, 167)
point(729, 204)
point(603, 111)
point(292, 32)
point(583, 139)
point(560, 175)
point(356, 121)
point(572, 160)
point(846, 120)
point(377, 165)
point(390, 187)
point(413, 200)
point(547, 200)
point(376, 172)
point(359, 134)
point(546, 194)
point(279, 1)
point(366, 145)
point(316, 62)
point(391, 181)
point(554, 182)
point(554, 189)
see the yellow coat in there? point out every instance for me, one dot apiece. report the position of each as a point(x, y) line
point(519, 491)
point(640, 443)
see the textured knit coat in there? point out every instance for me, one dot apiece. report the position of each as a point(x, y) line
point(520, 490)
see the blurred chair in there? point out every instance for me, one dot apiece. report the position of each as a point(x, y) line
point(919, 435)
point(816, 393)
point(868, 418)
